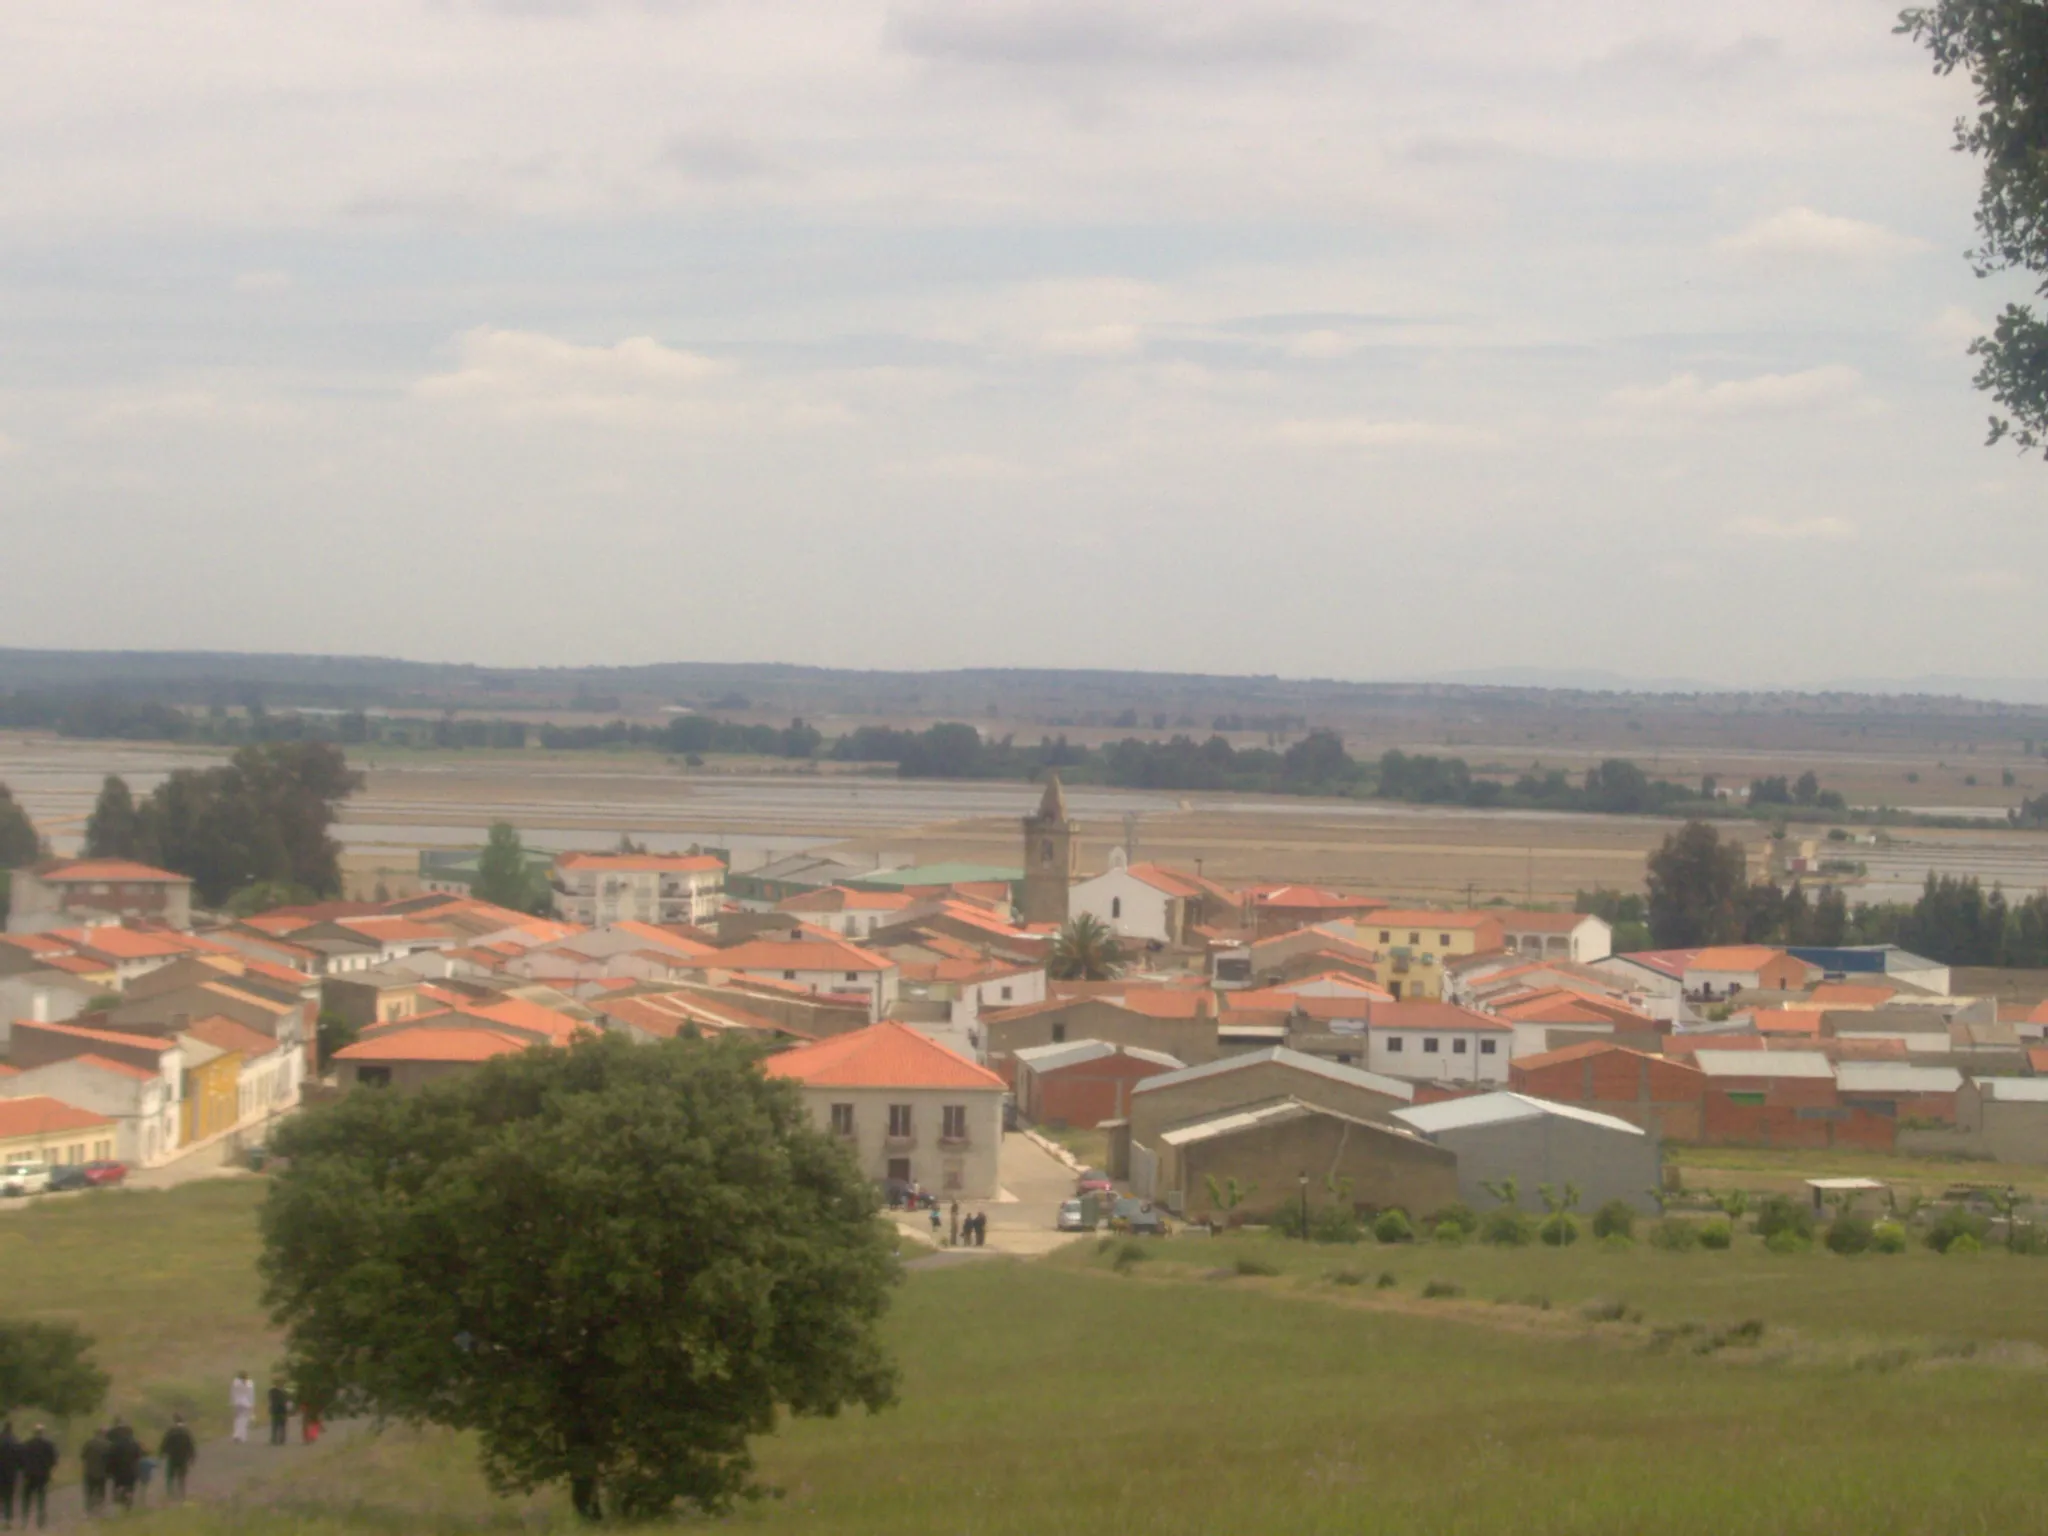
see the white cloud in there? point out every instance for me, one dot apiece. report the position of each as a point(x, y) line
point(526, 374)
point(1687, 396)
point(1989, 582)
point(1113, 340)
point(1320, 344)
point(1068, 34)
point(1806, 234)
point(187, 406)
point(1364, 432)
point(267, 281)
point(1953, 329)
point(1792, 530)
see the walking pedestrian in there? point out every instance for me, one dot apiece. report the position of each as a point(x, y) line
point(92, 1466)
point(10, 1472)
point(145, 1475)
point(124, 1462)
point(242, 1398)
point(937, 1222)
point(280, 1410)
point(980, 1228)
point(38, 1461)
point(179, 1451)
point(309, 1422)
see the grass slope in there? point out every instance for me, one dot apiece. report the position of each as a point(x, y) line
point(1061, 1396)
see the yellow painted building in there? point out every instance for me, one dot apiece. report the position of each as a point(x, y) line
point(39, 1129)
point(1414, 945)
point(212, 1093)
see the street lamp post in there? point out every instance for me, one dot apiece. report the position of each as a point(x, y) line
point(1304, 1207)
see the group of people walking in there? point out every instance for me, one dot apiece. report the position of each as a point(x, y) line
point(242, 1401)
point(112, 1461)
point(972, 1232)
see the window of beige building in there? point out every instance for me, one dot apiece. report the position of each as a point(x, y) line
point(842, 1119)
point(953, 1122)
point(899, 1120)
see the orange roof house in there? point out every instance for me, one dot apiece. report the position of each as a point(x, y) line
point(884, 1055)
point(38, 1126)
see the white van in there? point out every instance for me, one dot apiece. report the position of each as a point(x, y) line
point(25, 1179)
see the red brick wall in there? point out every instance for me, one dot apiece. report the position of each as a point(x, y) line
point(1778, 1122)
point(1087, 1093)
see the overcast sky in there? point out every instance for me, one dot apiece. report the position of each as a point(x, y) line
point(1364, 340)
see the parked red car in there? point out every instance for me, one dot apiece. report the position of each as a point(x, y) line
point(1093, 1181)
point(104, 1173)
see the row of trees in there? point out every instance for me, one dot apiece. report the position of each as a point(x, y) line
point(1699, 894)
point(253, 831)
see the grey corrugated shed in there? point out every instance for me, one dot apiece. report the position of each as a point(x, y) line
point(1764, 1064)
point(1499, 1108)
point(1299, 1060)
point(1895, 1077)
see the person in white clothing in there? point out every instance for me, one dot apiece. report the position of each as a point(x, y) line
point(242, 1398)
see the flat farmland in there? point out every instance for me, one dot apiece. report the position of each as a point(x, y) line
point(762, 809)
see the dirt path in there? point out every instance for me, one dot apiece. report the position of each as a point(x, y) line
point(223, 1470)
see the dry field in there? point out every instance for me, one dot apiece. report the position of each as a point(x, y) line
point(415, 800)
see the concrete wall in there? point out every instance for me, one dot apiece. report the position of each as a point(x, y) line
point(1385, 1168)
point(1554, 1149)
point(36, 906)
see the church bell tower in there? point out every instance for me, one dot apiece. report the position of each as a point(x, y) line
point(1050, 852)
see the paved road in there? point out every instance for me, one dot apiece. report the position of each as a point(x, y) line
point(1020, 1222)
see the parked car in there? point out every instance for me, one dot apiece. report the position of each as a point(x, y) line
point(24, 1178)
point(1073, 1217)
point(1093, 1181)
point(69, 1176)
point(106, 1171)
point(1140, 1217)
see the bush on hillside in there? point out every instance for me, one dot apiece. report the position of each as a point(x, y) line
point(1617, 1218)
point(1457, 1215)
point(1717, 1234)
point(1558, 1230)
point(1507, 1228)
point(1674, 1234)
point(1781, 1213)
point(1393, 1227)
point(1888, 1237)
point(1953, 1224)
point(1849, 1234)
point(1614, 1242)
point(1448, 1235)
point(1335, 1224)
point(1444, 1288)
point(1787, 1240)
point(1963, 1242)
point(2028, 1237)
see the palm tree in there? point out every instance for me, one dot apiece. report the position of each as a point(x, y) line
point(1085, 950)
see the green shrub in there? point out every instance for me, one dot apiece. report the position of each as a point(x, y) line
point(1615, 1242)
point(1457, 1215)
point(1674, 1234)
point(1252, 1264)
point(1448, 1235)
point(1888, 1237)
point(1507, 1228)
point(2028, 1237)
point(1617, 1218)
point(1558, 1230)
point(1387, 1280)
point(1718, 1233)
point(1286, 1221)
point(1963, 1243)
point(1955, 1223)
point(1786, 1240)
point(1128, 1253)
point(1781, 1213)
point(1393, 1227)
point(1849, 1234)
point(1335, 1224)
point(1748, 1331)
point(1435, 1288)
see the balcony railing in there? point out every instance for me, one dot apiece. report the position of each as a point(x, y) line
point(895, 1143)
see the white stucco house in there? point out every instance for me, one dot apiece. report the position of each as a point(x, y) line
point(910, 1110)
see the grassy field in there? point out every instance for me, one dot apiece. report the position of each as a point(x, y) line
point(1758, 1168)
point(1883, 1394)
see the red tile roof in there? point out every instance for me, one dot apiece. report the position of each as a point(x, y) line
point(224, 1034)
point(1735, 957)
point(1423, 918)
point(126, 871)
point(884, 1055)
point(1852, 994)
point(1426, 1015)
point(104, 1036)
point(826, 954)
point(106, 1064)
point(839, 898)
point(44, 1116)
point(435, 1042)
point(649, 863)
